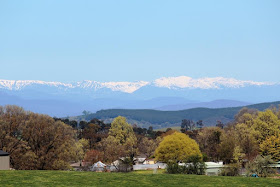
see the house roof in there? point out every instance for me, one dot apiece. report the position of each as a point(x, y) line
point(99, 164)
point(141, 156)
point(139, 159)
point(3, 153)
point(213, 164)
point(276, 165)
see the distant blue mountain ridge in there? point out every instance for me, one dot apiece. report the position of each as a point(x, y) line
point(171, 93)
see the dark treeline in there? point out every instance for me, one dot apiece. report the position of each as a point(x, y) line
point(165, 119)
point(95, 130)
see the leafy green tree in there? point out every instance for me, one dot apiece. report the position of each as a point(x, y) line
point(199, 124)
point(82, 124)
point(12, 123)
point(266, 124)
point(90, 133)
point(93, 156)
point(112, 152)
point(121, 141)
point(85, 112)
point(245, 115)
point(52, 143)
point(177, 147)
point(220, 124)
point(187, 124)
point(124, 134)
point(111, 149)
point(36, 141)
point(227, 146)
point(147, 146)
point(246, 141)
point(122, 131)
point(271, 146)
point(254, 129)
point(81, 148)
point(209, 140)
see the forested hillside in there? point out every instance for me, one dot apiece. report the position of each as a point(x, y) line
point(161, 119)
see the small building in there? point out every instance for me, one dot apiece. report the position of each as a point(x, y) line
point(139, 159)
point(276, 166)
point(149, 161)
point(80, 166)
point(98, 167)
point(213, 168)
point(158, 165)
point(4, 160)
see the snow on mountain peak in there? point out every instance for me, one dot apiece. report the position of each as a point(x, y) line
point(130, 87)
point(20, 84)
point(204, 83)
point(127, 87)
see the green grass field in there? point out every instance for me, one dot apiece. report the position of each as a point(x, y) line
point(141, 178)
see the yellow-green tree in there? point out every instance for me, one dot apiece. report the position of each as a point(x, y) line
point(177, 147)
point(227, 146)
point(81, 148)
point(271, 146)
point(246, 140)
point(121, 141)
point(111, 149)
point(122, 131)
point(266, 124)
point(254, 130)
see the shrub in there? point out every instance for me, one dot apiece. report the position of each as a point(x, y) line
point(260, 166)
point(173, 168)
point(193, 165)
point(230, 170)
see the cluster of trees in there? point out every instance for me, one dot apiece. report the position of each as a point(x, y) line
point(251, 133)
point(252, 138)
point(109, 142)
point(123, 141)
point(37, 141)
point(191, 125)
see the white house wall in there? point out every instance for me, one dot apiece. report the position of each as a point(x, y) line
point(4, 162)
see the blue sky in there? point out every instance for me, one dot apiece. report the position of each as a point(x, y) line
point(139, 40)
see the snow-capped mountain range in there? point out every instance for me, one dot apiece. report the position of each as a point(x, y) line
point(166, 93)
point(130, 87)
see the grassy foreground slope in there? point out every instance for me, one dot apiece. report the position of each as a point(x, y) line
point(161, 119)
point(71, 178)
